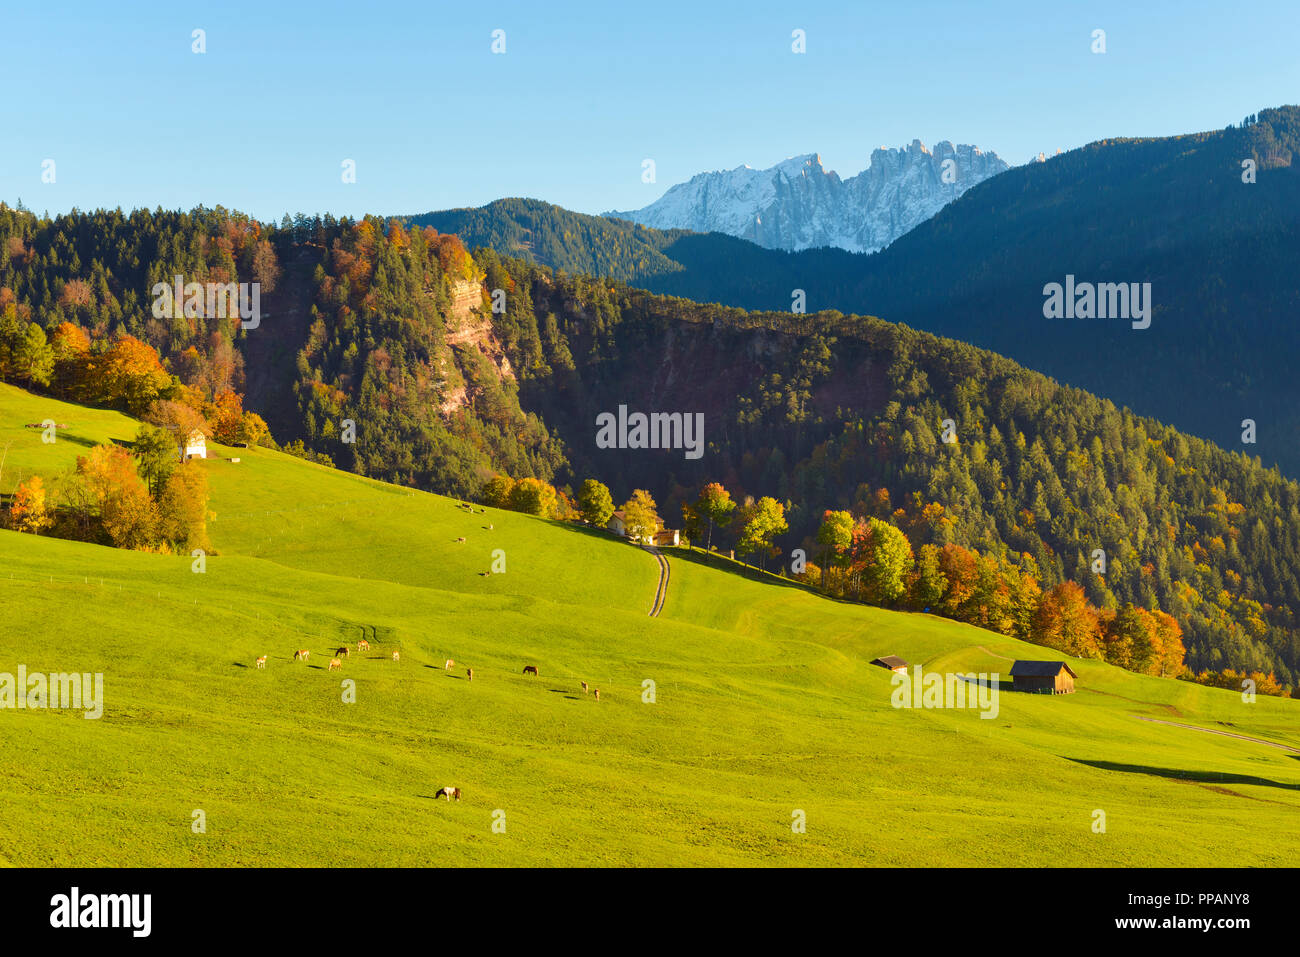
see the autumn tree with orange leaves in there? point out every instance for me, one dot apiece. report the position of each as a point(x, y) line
point(28, 512)
point(1065, 621)
point(130, 374)
point(129, 515)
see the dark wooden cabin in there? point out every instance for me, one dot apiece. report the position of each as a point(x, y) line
point(891, 662)
point(1043, 677)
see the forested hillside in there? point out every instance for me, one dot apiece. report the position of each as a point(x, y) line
point(826, 411)
point(556, 237)
point(97, 271)
point(399, 344)
point(1220, 253)
point(406, 371)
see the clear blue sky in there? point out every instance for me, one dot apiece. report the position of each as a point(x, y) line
point(585, 91)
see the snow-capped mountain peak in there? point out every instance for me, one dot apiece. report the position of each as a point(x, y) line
point(798, 203)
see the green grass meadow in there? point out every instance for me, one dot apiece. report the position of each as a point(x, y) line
point(765, 704)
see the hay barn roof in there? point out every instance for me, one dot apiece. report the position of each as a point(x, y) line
point(890, 661)
point(1040, 669)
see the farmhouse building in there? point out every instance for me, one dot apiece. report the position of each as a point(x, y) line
point(665, 536)
point(1043, 677)
point(891, 663)
point(195, 446)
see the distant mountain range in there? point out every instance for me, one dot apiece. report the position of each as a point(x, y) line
point(1222, 255)
point(799, 204)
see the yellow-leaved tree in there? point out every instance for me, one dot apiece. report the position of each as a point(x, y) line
point(28, 511)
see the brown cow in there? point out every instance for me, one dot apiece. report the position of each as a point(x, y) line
point(261, 662)
point(396, 656)
point(531, 670)
point(302, 654)
point(449, 665)
point(448, 793)
point(342, 652)
point(584, 687)
point(363, 645)
point(469, 673)
point(335, 664)
point(597, 694)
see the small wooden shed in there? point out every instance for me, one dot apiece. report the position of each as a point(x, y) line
point(892, 663)
point(1043, 677)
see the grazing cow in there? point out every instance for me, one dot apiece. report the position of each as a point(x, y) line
point(597, 694)
point(342, 652)
point(469, 673)
point(261, 662)
point(461, 539)
point(531, 670)
point(363, 645)
point(335, 664)
point(449, 665)
point(396, 656)
point(302, 654)
point(584, 687)
point(448, 793)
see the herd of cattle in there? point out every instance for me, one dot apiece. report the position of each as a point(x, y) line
point(336, 664)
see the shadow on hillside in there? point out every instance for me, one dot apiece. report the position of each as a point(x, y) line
point(698, 556)
point(589, 530)
point(1000, 683)
point(1196, 777)
point(750, 572)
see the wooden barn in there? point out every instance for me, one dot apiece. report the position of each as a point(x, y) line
point(892, 663)
point(1043, 677)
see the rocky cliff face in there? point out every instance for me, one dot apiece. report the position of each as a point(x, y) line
point(466, 296)
point(469, 327)
point(799, 204)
